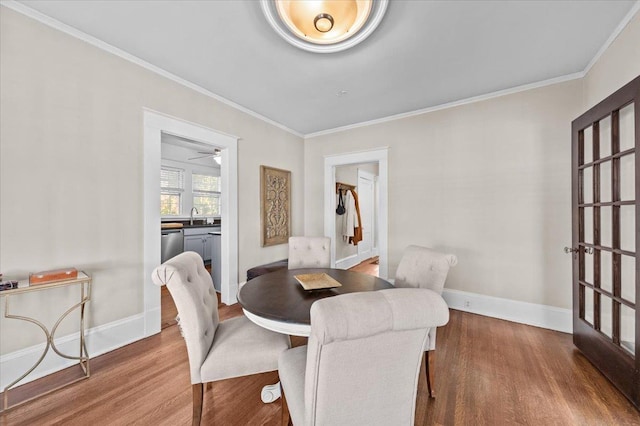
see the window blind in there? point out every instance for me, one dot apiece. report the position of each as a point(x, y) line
point(171, 179)
point(205, 183)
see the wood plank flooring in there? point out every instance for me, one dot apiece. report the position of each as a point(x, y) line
point(368, 266)
point(489, 372)
point(168, 311)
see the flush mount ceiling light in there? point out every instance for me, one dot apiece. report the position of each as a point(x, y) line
point(324, 26)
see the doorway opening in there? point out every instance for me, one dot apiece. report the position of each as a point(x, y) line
point(367, 161)
point(361, 181)
point(190, 192)
point(155, 125)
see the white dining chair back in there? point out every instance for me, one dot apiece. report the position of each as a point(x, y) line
point(422, 267)
point(362, 361)
point(309, 252)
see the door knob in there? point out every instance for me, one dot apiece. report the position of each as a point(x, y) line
point(587, 250)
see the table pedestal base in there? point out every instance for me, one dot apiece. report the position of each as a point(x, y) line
point(271, 393)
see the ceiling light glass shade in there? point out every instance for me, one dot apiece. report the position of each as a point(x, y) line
point(324, 25)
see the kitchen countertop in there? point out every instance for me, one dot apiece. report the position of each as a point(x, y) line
point(185, 224)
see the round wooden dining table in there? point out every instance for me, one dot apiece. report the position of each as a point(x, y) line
point(278, 302)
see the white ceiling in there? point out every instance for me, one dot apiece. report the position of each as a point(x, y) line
point(423, 54)
point(187, 151)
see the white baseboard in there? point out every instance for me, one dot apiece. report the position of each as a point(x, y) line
point(100, 340)
point(544, 316)
point(348, 262)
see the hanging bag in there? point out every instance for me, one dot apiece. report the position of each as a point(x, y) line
point(340, 210)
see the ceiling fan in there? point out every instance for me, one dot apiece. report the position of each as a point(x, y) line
point(204, 154)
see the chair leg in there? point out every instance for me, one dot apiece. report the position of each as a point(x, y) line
point(286, 418)
point(429, 361)
point(197, 404)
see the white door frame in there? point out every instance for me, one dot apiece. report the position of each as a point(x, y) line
point(155, 123)
point(330, 163)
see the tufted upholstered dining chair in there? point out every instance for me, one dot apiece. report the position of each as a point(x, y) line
point(422, 267)
point(309, 252)
point(362, 361)
point(217, 350)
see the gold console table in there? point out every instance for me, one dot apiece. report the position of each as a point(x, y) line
point(84, 281)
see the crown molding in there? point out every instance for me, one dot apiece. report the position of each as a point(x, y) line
point(614, 35)
point(74, 32)
point(454, 104)
point(27, 11)
point(581, 74)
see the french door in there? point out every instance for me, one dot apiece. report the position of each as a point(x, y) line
point(606, 237)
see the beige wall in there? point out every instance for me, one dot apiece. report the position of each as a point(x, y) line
point(488, 181)
point(71, 181)
point(617, 66)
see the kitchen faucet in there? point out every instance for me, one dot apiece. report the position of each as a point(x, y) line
point(197, 212)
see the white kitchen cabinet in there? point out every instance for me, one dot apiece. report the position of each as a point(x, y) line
point(208, 239)
point(198, 240)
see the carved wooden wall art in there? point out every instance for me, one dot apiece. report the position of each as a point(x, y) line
point(275, 205)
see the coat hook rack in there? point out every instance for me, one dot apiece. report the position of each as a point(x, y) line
point(344, 187)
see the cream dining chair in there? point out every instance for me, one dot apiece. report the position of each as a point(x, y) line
point(362, 361)
point(422, 267)
point(309, 252)
point(217, 350)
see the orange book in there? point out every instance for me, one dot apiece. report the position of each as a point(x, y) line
point(46, 277)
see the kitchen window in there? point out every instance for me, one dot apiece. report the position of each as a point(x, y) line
point(206, 194)
point(171, 189)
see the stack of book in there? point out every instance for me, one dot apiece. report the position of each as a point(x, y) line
point(46, 277)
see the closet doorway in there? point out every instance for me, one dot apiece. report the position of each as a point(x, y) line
point(359, 179)
point(378, 240)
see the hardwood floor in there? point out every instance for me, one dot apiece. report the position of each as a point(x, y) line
point(168, 311)
point(488, 372)
point(369, 266)
point(491, 372)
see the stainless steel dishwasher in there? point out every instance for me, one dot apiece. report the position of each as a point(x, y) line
point(171, 243)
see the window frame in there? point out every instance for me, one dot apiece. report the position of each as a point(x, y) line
point(204, 193)
point(173, 190)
